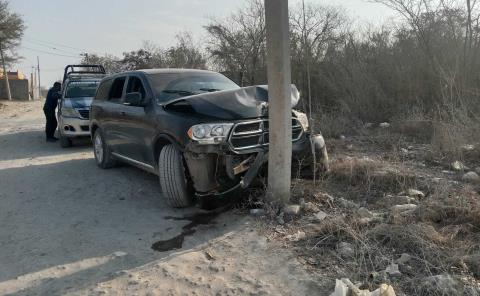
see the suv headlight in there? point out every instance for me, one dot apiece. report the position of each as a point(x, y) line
point(210, 133)
point(69, 112)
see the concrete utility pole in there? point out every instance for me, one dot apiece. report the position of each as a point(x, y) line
point(34, 82)
point(39, 84)
point(5, 73)
point(280, 107)
point(31, 87)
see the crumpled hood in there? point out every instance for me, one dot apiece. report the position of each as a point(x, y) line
point(241, 103)
point(78, 103)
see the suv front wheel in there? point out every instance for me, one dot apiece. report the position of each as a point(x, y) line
point(173, 178)
point(103, 155)
point(65, 142)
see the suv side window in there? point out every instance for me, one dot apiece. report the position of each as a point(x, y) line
point(103, 90)
point(116, 92)
point(135, 85)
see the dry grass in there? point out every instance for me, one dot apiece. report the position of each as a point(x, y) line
point(434, 249)
point(332, 125)
point(442, 235)
point(459, 140)
point(368, 179)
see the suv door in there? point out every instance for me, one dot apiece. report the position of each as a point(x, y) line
point(112, 113)
point(136, 126)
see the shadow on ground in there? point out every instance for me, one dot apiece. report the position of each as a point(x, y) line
point(28, 144)
point(62, 214)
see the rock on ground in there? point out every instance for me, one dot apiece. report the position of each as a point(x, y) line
point(257, 212)
point(458, 166)
point(364, 213)
point(404, 258)
point(442, 284)
point(403, 209)
point(346, 250)
point(292, 210)
point(471, 177)
point(320, 216)
point(310, 207)
point(415, 193)
point(345, 287)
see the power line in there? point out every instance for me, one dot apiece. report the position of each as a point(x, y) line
point(51, 47)
point(55, 44)
point(50, 53)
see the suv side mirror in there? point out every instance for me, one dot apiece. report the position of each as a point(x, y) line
point(133, 99)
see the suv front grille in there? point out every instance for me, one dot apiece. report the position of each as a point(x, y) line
point(85, 113)
point(255, 134)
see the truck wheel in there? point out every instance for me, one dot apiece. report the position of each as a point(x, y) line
point(173, 180)
point(65, 142)
point(103, 155)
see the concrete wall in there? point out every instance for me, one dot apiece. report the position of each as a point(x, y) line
point(18, 89)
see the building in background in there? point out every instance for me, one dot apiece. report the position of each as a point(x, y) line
point(19, 86)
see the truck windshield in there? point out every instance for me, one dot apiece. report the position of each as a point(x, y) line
point(169, 86)
point(81, 89)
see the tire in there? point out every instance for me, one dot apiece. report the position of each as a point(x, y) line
point(173, 179)
point(65, 142)
point(102, 152)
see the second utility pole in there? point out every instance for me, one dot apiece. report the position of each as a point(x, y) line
point(39, 85)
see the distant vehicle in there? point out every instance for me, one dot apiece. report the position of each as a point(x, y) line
point(80, 83)
point(202, 134)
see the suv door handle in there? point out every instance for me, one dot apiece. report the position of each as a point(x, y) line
point(123, 113)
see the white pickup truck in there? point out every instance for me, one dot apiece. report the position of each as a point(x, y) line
point(80, 83)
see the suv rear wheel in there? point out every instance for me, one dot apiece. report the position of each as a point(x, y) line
point(173, 179)
point(103, 155)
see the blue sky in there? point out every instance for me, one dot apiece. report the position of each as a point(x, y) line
point(116, 26)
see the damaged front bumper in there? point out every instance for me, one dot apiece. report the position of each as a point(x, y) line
point(218, 169)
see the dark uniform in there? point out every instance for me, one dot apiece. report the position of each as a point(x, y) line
point(49, 109)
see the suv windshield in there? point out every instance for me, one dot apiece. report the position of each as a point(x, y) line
point(169, 86)
point(81, 89)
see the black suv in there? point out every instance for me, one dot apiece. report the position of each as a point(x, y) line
point(202, 134)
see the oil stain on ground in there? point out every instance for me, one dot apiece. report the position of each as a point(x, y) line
point(189, 229)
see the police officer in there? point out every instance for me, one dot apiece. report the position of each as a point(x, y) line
point(49, 109)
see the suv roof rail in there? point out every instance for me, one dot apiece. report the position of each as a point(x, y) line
point(85, 69)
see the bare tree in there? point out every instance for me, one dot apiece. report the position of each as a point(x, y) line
point(237, 44)
point(185, 54)
point(111, 63)
point(314, 28)
point(11, 32)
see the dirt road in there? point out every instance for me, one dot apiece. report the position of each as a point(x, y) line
point(68, 227)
